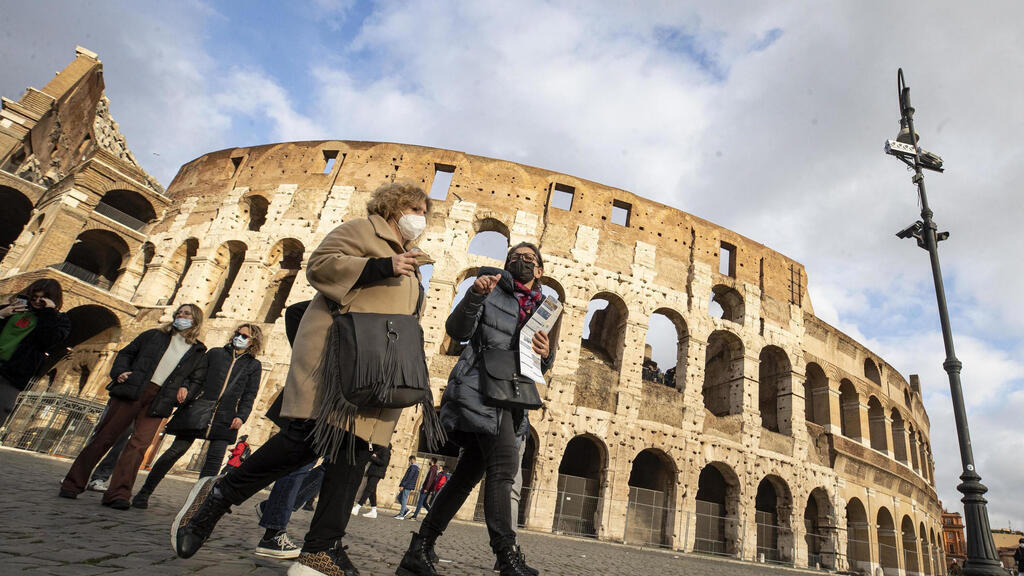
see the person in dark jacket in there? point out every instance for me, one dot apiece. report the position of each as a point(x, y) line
point(30, 327)
point(490, 315)
point(379, 460)
point(406, 487)
point(233, 380)
point(1018, 555)
point(150, 377)
point(426, 489)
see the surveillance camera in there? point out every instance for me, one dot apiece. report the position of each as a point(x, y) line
point(911, 231)
point(906, 152)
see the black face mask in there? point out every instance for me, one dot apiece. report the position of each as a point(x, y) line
point(521, 270)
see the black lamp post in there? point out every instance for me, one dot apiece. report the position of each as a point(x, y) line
point(982, 558)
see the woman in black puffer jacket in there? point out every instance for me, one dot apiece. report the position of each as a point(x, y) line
point(233, 379)
point(490, 316)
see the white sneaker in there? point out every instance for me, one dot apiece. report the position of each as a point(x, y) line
point(355, 509)
point(97, 486)
point(372, 513)
point(402, 515)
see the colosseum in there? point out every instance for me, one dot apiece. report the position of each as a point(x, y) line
point(768, 435)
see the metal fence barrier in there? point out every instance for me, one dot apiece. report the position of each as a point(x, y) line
point(58, 424)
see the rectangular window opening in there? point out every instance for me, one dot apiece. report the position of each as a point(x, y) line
point(621, 212)
point(330, 156)
point(236, 163)
point(727, 260)
point(562, 196)
point(443, 174)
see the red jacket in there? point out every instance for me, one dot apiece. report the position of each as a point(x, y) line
point(441, 479)
point(238, 453)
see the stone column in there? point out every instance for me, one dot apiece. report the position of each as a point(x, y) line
point(630, 385)
point(248, 292)
point(835, 409)
point(544, 497)
point(157, 284)
point(615, 505)
point(865, 424)
point(200, 282)
point(890, 446)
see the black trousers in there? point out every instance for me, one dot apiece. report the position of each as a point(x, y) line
point(289, 450)
point(214, 456)
point(370, 492)
point(498, 457)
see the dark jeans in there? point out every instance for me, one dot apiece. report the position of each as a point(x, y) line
point(181, 444)
point(289, 494)
point(289, 450)
point(421, 503)
point(498, 457)
point(370, 492)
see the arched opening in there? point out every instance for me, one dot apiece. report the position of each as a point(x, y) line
point(649, 516)
point(604, 333)
point(449, 345)
point(820, 530)
point(490, 241)
point(938, 566)
point(254, 209)
point(579, 487)
point(858, 538)
point(816, 398)
point(888, 548)
point(871, 371)
point(179, 264)
point(774, 378)
point(284, 261)
point(849, 410)
point(915, 461)
point(126, 207)
point(96, 257)
point(876, 425)
point(229, 258)
point(927, 565)
point(911, 559)
point(92, 323)
point(772, 506)
point(723, 374)
point(717, 507)
point(726, 303)
point(13, 218)
point(899, 436)
point(665, 350)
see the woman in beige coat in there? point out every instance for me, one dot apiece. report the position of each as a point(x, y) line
point(364, 265)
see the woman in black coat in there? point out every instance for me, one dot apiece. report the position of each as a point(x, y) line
point(233, 379)
point(490, 316)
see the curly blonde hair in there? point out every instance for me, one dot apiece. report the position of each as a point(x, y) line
point(393, 197)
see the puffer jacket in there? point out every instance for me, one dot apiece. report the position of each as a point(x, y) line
point(141, 358)
point(492, 321)
point(237, 397)
point(379, 461)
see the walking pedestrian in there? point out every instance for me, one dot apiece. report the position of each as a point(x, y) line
point(31, 325)
point(365, 265)
point(442, 479)
point(406, 486)
point(1018, 555)
point(426, 489)
point(215, 411)
point(490, 316)
point(98, 481)
point(150, 376)
point(378, 467)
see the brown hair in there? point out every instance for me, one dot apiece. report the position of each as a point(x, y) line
point(192, 334)
point(255, 341)
point(49, 287)
point(390, 199)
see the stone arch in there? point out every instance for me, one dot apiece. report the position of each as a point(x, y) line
point(723, 374)
point(717, 510)
point(816, 395)
point(899, 436)
point(911, 558)
point(95, 331)
point(726, 303)
point(773, 506)
point(858, 537)
point(650, 511)
point(551, 286)
point(820, 530)
point(888, 547)
point(13, 218)
point(253, 209)
point(605, 329)
point(915, 461)
point(775, 378)
point(871, 371)
point(938, 566)
point(463, 281)
point(927, 565)
point(580, 477)
point(491, 239)
point(179, 264)
point(284, 261)
point(92, 323)
point(127, 207)
point(228, 257)
point(97, 257)
point(849, 410)
point(876, 425)
point(667, 330)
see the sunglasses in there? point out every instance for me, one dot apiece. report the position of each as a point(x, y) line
point(530, 258)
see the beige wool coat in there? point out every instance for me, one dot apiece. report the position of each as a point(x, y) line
point(333, 269)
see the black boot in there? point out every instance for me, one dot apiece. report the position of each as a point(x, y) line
point(141, 499)
point(512, 563)
point(419, 558)
point(534, 571)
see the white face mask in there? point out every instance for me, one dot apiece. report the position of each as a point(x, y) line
point(240, 342)
point(182, 323)
point(412, 226)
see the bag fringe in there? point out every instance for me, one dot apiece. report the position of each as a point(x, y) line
point(433, 430)
point(334, 415)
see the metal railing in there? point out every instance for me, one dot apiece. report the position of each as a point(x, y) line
point(119, 216)
point(58, 424)
point(83, 274)
point(649, 521)
point(717, 534)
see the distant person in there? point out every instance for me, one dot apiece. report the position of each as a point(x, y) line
point(442, 478)
point(406, 486)
point(1018, 556)
point(375, 471)
point(427, 489)
point(955, 569)
point(30, 326)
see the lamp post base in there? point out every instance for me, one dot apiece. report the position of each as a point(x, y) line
point(982, 557)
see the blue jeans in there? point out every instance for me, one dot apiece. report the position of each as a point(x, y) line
point(403, 497)
point(289, 494)
point(421, 503)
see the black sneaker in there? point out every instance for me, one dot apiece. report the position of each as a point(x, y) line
point(141, 500)
point(197, 517)
point(279, 546)
point(333, 562)
point(119, 504)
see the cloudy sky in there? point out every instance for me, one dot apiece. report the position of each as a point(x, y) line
point(766, 118)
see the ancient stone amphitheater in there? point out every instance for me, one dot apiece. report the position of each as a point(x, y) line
point(774, 437)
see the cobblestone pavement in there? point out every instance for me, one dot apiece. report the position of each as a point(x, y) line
point(43, 534)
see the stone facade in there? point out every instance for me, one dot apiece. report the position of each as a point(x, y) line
point(778, 437)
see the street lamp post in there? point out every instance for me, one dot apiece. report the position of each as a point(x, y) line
point(982, 558)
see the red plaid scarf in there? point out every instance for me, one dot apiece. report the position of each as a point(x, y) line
point(528, 301)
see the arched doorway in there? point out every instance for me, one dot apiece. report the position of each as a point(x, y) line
point(717, 508)
point(491, 240)
point(888, 547)
point(876, 425)
point(96, 257)
point(579, 487)
point(899, 437)
point(726, 303)
point(229, 258)
point(126, 207)
point(858, 538)
point(179, 264)
point(774, 378)
point(285, 261)
point(723, 374)
point(911, 557)
point(665, 349)
point(649, 515)
point(601, 350)
point(849, 414)
point(772, 508)
point(13, 218)
point(820, 530)
point(927, 564)
point(816, 396)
